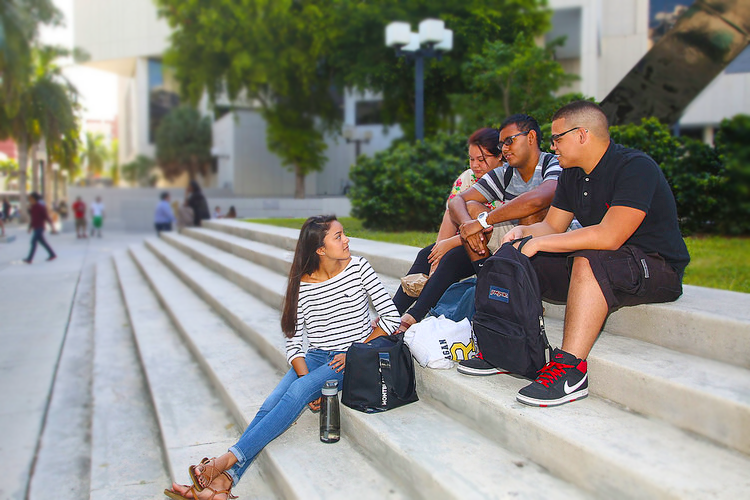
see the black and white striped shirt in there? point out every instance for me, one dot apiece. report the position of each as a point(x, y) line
point(335, 313)
point(505, 183)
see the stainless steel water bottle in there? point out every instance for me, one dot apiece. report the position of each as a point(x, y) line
point(330, 419)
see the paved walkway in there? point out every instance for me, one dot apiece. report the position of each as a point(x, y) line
point(35, 309)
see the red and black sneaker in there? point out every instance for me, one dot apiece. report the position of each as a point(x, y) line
point(478, 366)
point(562, 380)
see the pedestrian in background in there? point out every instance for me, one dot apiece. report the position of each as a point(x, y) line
point(39, 216)
point(97, 216)
point(197, 202)
point(79, 212)
point(164, 216)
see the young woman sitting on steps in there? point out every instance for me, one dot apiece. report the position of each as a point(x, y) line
point(327, 297)
point(446, 261)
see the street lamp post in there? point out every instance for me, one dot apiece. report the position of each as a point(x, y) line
point(431, 41)
point(352, 137)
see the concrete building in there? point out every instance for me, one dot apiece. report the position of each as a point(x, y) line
point(605, 38)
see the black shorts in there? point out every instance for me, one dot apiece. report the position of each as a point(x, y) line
point(626, 276)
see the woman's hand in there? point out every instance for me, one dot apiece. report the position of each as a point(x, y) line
point(441, 248)
point(339, 360)
point(315, 405)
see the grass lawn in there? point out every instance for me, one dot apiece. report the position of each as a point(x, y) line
point(716, 261)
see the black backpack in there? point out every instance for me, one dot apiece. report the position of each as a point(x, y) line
point(379, 375)
point(508, 326)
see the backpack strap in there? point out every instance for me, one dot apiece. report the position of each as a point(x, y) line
point(545, 163)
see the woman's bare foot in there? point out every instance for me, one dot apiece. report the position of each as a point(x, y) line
point(407, 320)
point(208, 473)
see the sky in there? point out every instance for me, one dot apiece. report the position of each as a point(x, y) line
point(98, 88)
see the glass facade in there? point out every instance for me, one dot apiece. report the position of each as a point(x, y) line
point(162, 95)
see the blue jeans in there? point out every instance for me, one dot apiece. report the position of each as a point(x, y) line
point(282, 408)
point(38, 235)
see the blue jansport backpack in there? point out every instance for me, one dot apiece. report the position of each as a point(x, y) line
point(508, 326)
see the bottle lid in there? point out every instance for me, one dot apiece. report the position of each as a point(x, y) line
point(331, 388)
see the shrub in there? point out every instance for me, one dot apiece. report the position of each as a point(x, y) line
point(706, 181)
point(405, 187)
point(733, 146)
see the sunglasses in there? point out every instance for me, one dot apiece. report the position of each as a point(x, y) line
point(508, 141)
point(556, 137)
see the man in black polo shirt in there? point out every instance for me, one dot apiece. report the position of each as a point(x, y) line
point(629, 250)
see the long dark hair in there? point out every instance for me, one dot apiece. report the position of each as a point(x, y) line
point(305, 261)
point(488, 138)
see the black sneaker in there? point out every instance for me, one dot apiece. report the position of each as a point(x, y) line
point(562, 380)
point(478, 366)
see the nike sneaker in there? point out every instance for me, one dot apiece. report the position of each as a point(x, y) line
point(562, 380)
point(478, 367)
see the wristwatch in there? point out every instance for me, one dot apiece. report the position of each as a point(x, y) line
point(482, 218)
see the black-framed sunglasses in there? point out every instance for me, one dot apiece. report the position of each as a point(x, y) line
point(556, 137)
point(508, 141)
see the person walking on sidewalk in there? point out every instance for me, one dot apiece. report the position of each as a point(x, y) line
point(327, 301)
point(39, 216)
point(629, 250)
point(79, 213)
point(97, 216)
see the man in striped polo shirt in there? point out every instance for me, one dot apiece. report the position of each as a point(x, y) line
point(525, 185)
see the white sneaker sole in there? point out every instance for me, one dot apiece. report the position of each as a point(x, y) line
point(552, 402)
point(479, 372)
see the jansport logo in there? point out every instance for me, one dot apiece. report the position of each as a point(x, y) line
point(501, 294)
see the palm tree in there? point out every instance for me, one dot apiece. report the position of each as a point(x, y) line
point(19, 20)
point(95, 154)
point(45, 107)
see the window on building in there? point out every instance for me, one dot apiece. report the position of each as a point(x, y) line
point(368, 113)
point(162, 95)
point(741, 63)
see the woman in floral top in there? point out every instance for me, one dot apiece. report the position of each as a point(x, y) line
point(446, 261)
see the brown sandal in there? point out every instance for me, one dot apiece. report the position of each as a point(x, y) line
point(209, 472)
point(176, 496)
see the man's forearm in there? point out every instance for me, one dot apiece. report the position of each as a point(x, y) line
point(458, 211)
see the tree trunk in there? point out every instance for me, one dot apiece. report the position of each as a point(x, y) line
point(299, 185)
point(23, 160)
point(34, 170)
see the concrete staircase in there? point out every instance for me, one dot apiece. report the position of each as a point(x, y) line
point(187, 345)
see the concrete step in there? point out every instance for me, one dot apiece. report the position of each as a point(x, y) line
point(194, 422)
point(126, 457)
point(416, 443)
point(709, 323)
point(594, 443)
point(624, 453)
point(386, 258)
point(299, 464)
point(697, 394)
point(704, 396)
point(267, 256)
point(254, 278)
point(66, 476)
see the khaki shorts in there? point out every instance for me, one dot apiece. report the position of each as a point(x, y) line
point(497, 235)
point(81, 223)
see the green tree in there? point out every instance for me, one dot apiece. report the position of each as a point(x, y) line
point(140, 172)
point(183, 143)
point(44, 108)
point(366, 62)
point(19, 23)
point(293, 59)
point(507, 78)
point(95, 155)
point(114, 156)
